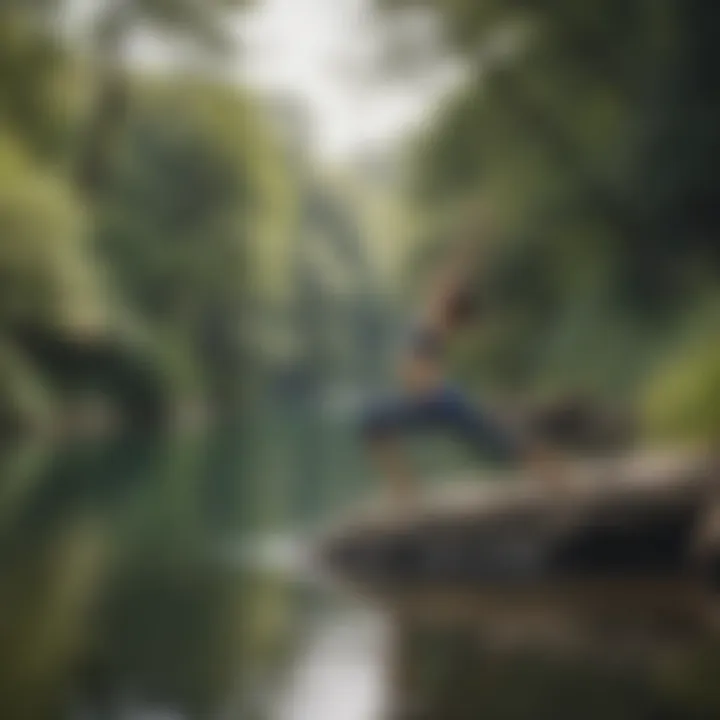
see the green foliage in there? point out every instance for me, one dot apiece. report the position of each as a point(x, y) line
point(197, 20)
point(202, 24)
point(184, 218)
point(682, 397)
point(590, 135)
point(138, 290)
point(37, 96)
point(25, 401)
point(49, 277)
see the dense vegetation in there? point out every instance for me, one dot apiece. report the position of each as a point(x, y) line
point(128, 209)
point(147, 225)
point(162, 242)
point(591, 129)
point(166, 258)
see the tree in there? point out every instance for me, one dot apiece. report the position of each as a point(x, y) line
point(48, 276)
point(591, 126)
point(201, 22)
point(37, 92)
point(197, 180)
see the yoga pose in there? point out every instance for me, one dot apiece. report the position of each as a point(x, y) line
point(426, 400)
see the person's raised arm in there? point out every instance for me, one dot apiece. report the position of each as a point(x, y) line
point(454, 276)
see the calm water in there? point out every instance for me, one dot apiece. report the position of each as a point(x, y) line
point(164, 579)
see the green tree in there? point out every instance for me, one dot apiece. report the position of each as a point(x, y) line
point(201, 23)
point(590, 127)
point(196, 182)
point(37, 92)
point(48, 276)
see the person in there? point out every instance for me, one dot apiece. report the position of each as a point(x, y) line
point(426, 399)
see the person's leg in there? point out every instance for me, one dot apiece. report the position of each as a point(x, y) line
point(390, 461)
point(493, 439)
point(448, 409)
point(478, 428)
point(382, 425)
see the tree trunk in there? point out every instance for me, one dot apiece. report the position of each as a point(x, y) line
point(109, 108)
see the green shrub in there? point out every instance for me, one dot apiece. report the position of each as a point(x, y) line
point(25, 401)
point(682, 398)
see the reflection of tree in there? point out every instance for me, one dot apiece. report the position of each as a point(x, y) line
point(107, 585)
point(53, 565)
point(336, 317)
point(448, 673)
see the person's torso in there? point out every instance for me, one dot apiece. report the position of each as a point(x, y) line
point(421, 357)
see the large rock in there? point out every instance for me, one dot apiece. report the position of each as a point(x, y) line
point(635, 516)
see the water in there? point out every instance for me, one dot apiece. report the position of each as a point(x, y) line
point(339, 671)
point(168, 579)
point(171, 579)
point(113, 604)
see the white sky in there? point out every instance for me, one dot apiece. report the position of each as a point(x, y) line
point(316, 52)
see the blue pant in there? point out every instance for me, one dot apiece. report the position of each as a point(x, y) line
point(441, 409)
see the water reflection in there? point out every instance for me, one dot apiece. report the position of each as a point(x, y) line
point(450, 673)
point(341, 675)
point(126, 594)
point(112, 603)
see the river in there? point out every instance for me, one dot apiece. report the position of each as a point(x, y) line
point(163, 579)
point(167, 579)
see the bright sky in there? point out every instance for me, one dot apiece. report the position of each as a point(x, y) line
point(317, 53)
point(315, 50)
